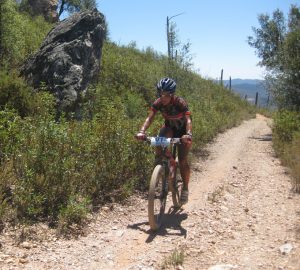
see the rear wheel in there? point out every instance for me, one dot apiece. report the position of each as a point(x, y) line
point(157, 197)
point(177, 188)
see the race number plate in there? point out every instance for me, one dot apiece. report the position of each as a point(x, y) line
point(160, 141)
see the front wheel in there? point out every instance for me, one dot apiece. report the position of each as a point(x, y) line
point(177, 188)
point(157, 197)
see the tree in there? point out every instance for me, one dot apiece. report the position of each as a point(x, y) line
point(185, 56)
point(277, 43)
point(173, 40)
point(72, 6)
point(269, 39)
point(178, 52)
point(46, 7)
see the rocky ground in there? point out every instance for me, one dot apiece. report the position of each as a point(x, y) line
point(242, 214)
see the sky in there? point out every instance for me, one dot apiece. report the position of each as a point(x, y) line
point(217, 30)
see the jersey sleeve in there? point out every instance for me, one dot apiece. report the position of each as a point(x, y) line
point(155, 105)
point(183, 106)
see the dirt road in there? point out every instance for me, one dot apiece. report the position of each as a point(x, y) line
point(242, 214)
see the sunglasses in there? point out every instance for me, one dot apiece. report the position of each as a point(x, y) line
point(164, 94)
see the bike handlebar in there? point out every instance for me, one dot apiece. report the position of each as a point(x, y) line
point(162, 141)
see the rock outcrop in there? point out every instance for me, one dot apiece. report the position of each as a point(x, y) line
point(46, 8)
point(69, 58)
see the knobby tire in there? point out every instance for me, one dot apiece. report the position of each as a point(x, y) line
point(177, 187)
point(158, 196)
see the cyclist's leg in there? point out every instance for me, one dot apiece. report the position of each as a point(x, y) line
point(183, 150)
point(184, 167)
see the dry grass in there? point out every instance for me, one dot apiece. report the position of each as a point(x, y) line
point(173, 260)
point(286, 142)
point(293, 161)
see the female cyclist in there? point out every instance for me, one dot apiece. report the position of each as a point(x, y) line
point(178, 124)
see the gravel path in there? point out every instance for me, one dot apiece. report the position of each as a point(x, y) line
point(242, 214)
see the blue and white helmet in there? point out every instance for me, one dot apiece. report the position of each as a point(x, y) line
point(166, 85)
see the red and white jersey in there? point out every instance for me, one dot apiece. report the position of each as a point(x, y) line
point(174, 113)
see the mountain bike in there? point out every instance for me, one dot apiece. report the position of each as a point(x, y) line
point(165, 178)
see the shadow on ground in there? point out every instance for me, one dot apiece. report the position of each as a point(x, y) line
point(298, 226)
point(264, 138)
point(171, 225)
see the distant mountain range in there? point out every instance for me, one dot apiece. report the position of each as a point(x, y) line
point(247, 88)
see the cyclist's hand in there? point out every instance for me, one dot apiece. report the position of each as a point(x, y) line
point(141, 136)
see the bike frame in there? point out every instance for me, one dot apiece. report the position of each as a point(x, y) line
point(161, 173)
point(164, 142)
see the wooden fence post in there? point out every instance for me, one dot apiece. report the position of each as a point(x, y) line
point(221, 77)
point(256, 98)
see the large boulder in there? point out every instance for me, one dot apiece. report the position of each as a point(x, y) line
point(69, 58)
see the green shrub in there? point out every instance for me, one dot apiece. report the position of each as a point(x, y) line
point(55, 161)
point(286, 140)
point(286, 123)
point(21, 35)
point(293, 160)
point(75, 212)
point(16, 95)
point(9, 141)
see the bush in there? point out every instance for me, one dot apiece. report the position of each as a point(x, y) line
point(9, 142)
point(75, 212)
point(293, 160)
point(286, 139)
point(15, 94)
point(55, 162)
point(21, 35)
point(286, 123)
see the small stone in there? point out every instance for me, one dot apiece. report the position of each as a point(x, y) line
point(25, 256)
point(224, 208)
point(23, 260)
point(286, 248)
point(119, 233)
point(105, 208)
point(10, 260)
point(25, 245)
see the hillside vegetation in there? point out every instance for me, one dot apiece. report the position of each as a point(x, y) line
point(286, 141)
point(277, 44)
point(59, 171)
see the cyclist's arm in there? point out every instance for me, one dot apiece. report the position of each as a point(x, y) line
point(148, 121)
point(188, 124)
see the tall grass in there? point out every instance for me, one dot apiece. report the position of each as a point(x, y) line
point(286, 138)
